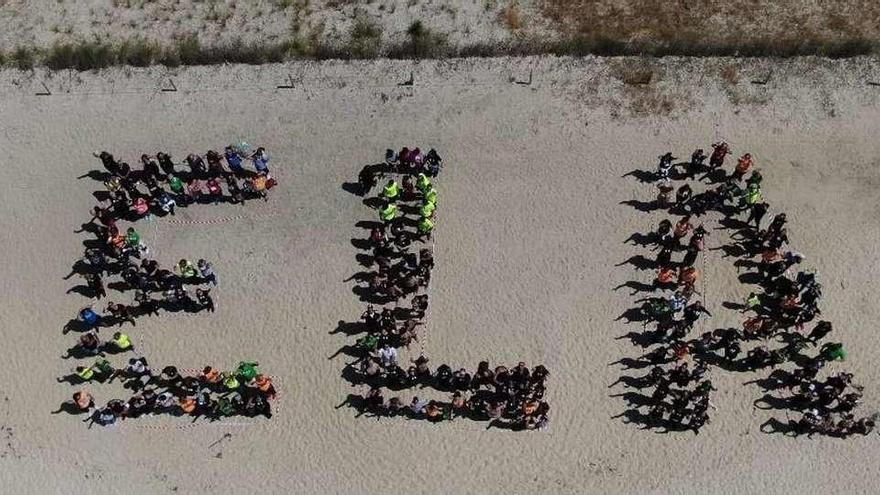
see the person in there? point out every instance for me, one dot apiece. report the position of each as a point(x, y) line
point(423, 183)
point(215, 191)
point(719, 151)
point(88, 317)
point(430, 196)
point(752, 301)
point(756, 213)
point(196, 165)
point(133, 239)
point(187, 405)
point(215, 168)
point(247, 370)
point(433, 162)
point(166, 202)
point(108, 162)
point(665, 166)
point(193, 191)
point(83, 401)
point(150, 168)
point(743, 165)
point(683, 194)
point(425, 226)
point(427, 210)
point(186, 269)
point(391, 191)
point(176, 185)
point(388, 213)
point(229, 381)
point(140, 206)
point(752, 195)
point(390, 157)
point(261, 160)
point(121, 341)
point(833, 351)
point(165, 163)
point(236, 193)
point(822, 329)
point(89, 344)
point(95, 284)
point(682, 227)
point(697, 162)
point(388, 355)
point(417, 406)
point(207, 272)
point(210, 376)
point(120, 313)
point(264, 384)
point(233, 159)
point(204, 299)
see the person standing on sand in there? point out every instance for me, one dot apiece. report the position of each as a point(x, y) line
point(261, 160)
point(207, 272)
point(108, 162)
point(665, 166)
point(151, 169)
point(388, 355)
point(165, 163)
point(233, 160)
point(756, 213)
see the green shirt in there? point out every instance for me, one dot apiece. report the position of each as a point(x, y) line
point(247, 370)
point(176, 184)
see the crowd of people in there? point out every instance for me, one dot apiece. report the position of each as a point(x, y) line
point(787, 301)
point(157, 189)
point(212, 393)
point(406, 204)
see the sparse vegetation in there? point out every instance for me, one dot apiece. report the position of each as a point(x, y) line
point(365, 40)
point(23, 58)
point(421, 42)
point(511, 17)
point(730, 75)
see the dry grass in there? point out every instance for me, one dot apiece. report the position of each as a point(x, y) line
point(511, 17)
point(833, 28)
point(730, 75)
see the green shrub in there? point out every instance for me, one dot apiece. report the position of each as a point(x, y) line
point(421, 43)
point(138, 53)
point(365, 40)
point(189, 51)
point(23, 58)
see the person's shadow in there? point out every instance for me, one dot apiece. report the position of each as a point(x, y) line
point(639, 262)
point(773, 425)
point(640, 175)
point(349, 327)
point(98, 175)
point(643, 206)
point(69, 408)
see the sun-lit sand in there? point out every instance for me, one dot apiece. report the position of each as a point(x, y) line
point(529, 233)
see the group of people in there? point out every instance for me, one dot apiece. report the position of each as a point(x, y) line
point(510, 398)
point(124, 253)
point(787, 301)
point(198, 180)
point(212, 394)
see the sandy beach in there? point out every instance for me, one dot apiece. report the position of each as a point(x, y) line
point(530, 231)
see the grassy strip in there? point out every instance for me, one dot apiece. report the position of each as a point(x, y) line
point(365, 42)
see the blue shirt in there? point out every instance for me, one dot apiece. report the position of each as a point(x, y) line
point(233, 159)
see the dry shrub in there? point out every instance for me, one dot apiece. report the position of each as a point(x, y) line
point(730, 74)
point(511, 17)
point(639, 74)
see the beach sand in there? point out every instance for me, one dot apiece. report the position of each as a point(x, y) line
point(529, 232)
